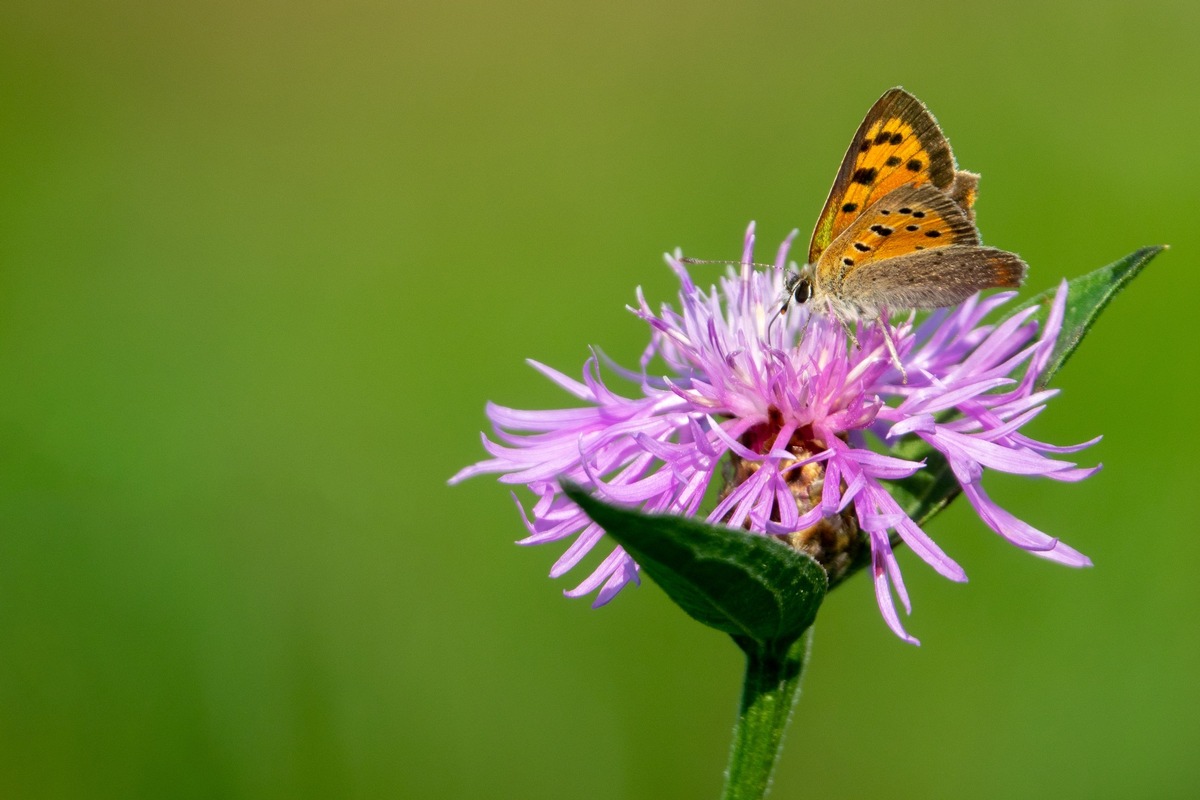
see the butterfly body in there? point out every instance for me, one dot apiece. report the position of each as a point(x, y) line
point(898, 230)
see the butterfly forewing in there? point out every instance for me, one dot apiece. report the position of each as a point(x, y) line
point(898, 143)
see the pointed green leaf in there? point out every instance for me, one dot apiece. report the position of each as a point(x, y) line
point(1087, 296)
point(744, 584)
point(932, 488)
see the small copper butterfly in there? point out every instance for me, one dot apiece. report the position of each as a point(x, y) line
point(898, 230)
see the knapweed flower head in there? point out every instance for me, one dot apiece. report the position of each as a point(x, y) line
point(797, 428)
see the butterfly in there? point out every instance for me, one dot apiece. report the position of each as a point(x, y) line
point(898, 230)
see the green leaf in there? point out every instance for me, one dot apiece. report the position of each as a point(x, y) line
point(747, 585)
point(1087, 296)
point(932, 488)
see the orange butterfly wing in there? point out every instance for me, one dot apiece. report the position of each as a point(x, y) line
point(914, 248)
point(898, 143)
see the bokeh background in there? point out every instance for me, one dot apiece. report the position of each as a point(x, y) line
point(262, 264)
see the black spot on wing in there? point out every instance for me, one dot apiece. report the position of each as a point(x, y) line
point(865, 175)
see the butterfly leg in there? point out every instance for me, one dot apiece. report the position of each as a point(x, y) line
point(848, 326)
point(890, 341)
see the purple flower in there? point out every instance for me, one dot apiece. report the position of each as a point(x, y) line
point(792, 422)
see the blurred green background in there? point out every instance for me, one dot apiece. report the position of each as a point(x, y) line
point(262, 264)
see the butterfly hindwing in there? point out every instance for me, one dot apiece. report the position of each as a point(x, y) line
point(930, 278)
point(914, 248)
point(899, 142)
point(907, 220)
point(963, 190)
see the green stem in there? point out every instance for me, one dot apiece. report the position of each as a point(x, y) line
point(768, 696)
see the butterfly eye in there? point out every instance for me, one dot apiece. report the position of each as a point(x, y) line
point(803, 291)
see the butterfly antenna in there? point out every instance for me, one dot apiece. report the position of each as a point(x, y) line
point(726, 263)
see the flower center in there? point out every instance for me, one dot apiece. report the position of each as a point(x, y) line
point(836, 543)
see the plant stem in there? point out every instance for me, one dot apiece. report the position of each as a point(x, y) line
point(769, 694)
